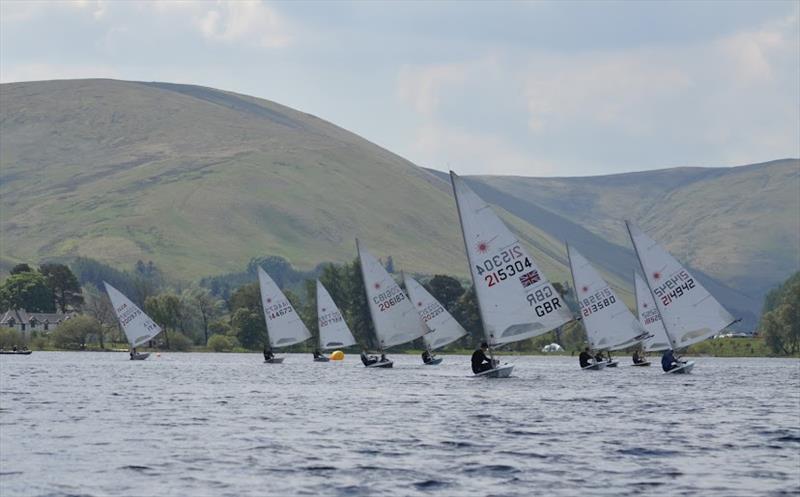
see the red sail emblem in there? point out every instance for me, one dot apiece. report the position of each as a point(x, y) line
point(483, 247)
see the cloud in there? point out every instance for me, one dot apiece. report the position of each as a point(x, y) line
point(251, 22)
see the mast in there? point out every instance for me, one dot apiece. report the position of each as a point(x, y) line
point(575, 289)
point(647, 282)
point(471, 274)
point(364, 282)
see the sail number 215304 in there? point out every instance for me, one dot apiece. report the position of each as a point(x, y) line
point(504, 265)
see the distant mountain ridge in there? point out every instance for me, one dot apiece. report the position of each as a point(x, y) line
point(201, 180)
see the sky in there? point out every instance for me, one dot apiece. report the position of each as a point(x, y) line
point(525, 88)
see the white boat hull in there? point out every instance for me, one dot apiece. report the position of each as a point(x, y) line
point(503, 371)
point(685, 369)
point(612, 364)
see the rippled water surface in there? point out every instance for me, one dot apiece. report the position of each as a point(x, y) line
point(227, 424)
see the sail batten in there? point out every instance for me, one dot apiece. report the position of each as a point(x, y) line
point(139, 328)
point(515, 299)
point(689, 313)
point(394, 318)
point(284, 326)
point(333, 330)
point(444, 329)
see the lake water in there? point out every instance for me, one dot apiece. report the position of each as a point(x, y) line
point(227, 424)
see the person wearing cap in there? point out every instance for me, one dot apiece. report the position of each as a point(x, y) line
point(480, 362)
point(669, 361)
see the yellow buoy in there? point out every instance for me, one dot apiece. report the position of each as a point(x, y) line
point(337, 355)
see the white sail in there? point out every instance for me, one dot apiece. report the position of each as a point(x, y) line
point(284, 326)
point(444, 329)
point(333, 330)
point(137, 325)
point(609, 323)
point(515, 298)
point(649, 316)
point(395, 320)
point(690, 314)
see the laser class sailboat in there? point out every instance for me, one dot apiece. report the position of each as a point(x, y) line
point(284, 326)
point(393, 316)
point(689, 313)
point(444, 329)
point(137, 325)
point(515, 299)
point(333, 330)
point(609, 323)
point(649, 317)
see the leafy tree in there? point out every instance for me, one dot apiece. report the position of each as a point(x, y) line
point(21, 268)
point(781, 325)
point(27, 290)
point(466, 312)
point(250, 328)
point(99, 307)
point(219, 327)
point(165, 309)
point(389, 265)
point(446, 289)
point(246, 297)
point(62, 282)
point(75, 332)
point(208, 308)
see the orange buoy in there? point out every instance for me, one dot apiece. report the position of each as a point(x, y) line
point(337, 355)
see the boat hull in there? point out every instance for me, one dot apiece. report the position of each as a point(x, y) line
point(16, 352)
point(274, 360)
point(140, 357)
point(434, 362)
point(612, 364)
point(321, 359)
point(503, 371)
point(641, 364)
point(685, 369)
point(381, 364)
point(595, 367)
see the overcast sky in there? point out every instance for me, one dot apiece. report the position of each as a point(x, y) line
point(537, 89)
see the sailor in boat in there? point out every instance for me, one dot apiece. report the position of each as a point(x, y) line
point(318, 354)
point(427, 356)
point(133, 352)
point(368, 360)
point(638, 356)
point(670, 362)
point(268, 355)
point(480, 362)
point(585, 358)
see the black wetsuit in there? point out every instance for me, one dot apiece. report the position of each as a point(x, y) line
point(585, 359)
point(480, 362)
point(668, 361)
point(426, 357)
point(368, 360)
point(268, 355)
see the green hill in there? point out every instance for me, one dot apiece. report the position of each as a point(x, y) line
point(200, 180)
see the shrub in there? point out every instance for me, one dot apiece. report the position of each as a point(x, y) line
point(221, 343)
point(10, 337)
point(74, 332)
point(178, 341)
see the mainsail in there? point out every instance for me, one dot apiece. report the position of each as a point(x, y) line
point(609, 323)
point(137, 325)
point(284, 326)
point(333, 330)
point(649, 316)
point(515, 298)
point(444, 329)
point(394, 317)
point(690, 314)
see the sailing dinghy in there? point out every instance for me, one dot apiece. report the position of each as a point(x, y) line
point(137, 325)
point(649, 317)
point(609, 323)
point(689, 313)
point(284, 326)
point(395, 320)
point(515, 299)
point(444, 329)
point(333, 330)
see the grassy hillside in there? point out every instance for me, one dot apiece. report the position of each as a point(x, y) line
point(201, 180)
